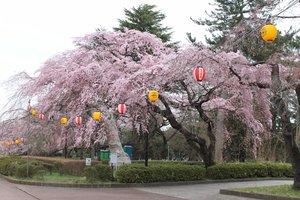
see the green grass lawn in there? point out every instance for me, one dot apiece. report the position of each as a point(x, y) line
point(56, 178)
point(278, 190)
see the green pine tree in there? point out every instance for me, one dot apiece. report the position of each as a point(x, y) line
point(146, 19)
point(230, 14)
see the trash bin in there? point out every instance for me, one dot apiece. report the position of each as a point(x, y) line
point(104, 154)
point(128, 150)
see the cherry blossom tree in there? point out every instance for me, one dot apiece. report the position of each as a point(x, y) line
point(105, 69)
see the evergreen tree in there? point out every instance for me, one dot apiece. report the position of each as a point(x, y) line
point(146, 19)
point(232, 27)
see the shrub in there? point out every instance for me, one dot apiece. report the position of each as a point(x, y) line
point(249, 170)
point(21, 170)
point(136, 173)
point(104, 172)
point(90, 173)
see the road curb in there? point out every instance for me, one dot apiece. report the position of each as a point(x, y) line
point(122, 185)
point(255, 195)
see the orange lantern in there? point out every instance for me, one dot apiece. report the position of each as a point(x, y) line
point(153, 96)
point(64, 120)
point(41, 116)
point(17, 142)
point(34, 112)
point(7, 143)
point(199, 73)
point(122, 108)
point(97, 116)
point(268, 33)
point(78, 120)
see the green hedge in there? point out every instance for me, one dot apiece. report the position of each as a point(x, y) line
point(249, 170)
point(136, 173)
point(99, 172)
point(167, 162)
point(17, 166)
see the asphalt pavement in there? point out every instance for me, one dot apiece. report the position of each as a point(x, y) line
point(203, 191)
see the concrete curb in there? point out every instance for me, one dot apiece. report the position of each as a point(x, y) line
point(122, 185)
point(255, 195)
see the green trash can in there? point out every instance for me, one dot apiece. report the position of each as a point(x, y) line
point(104, 154)
point(128, 150)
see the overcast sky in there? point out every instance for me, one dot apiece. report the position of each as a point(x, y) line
point(31, 31)
point(34, 30)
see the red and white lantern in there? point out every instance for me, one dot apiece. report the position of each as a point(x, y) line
point(23, 139)
point(12, 142)
point(199, 73)
point(121, 108)
point(78, 120)
point(29, 107)
point(41, 116)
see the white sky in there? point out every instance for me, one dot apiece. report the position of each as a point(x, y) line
point(31, 31)
point(34, 30)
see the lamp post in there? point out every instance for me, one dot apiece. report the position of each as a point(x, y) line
point(29, 108)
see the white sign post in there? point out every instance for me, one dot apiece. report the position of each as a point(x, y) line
point(113, 159)
point(88, 162)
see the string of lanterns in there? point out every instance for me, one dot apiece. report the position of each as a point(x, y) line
point(268, 34)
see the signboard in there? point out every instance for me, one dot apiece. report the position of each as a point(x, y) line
point(113, 158)
point(88, 162)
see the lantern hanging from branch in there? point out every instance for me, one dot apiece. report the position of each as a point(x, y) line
point(153, 95)
point(199, 73)
point(122, 108)
point(97, 116)
point(78, 120)
point(7, 143)
point(29, 107)
point(64, 120)
point(23, 139)
point(12, 142)
point(34, 112)
point(41, 116)
point(268, 33)
point(17, 142)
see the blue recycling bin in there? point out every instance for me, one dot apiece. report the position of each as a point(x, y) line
point(128, 150)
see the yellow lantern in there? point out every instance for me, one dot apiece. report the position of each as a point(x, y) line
point(34, 112)
point(153, 95)
point(268, 33)
point(17, 142)
point(64, 120)
point(7, 143)
point(97, 116)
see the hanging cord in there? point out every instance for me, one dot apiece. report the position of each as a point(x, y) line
point(290, 4)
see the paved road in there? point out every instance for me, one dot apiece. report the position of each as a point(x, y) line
point(9, 191)
point(209, 191)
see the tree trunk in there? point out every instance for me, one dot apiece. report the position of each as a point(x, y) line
point(288, 128)
point(219, 134)
point(296, 153)
point(114, 142)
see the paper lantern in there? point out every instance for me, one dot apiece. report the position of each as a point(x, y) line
point(97, 116)
point(34, 112)
point(41, 116)
point(23, 139)
point(12, 142)
point(268, 33)
point(17, 142)
point(78, 120)
point(153, 95)
point(29, 107)
point(199, 73)
point(7, 143)
point(64, 120)
point(122, 108)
